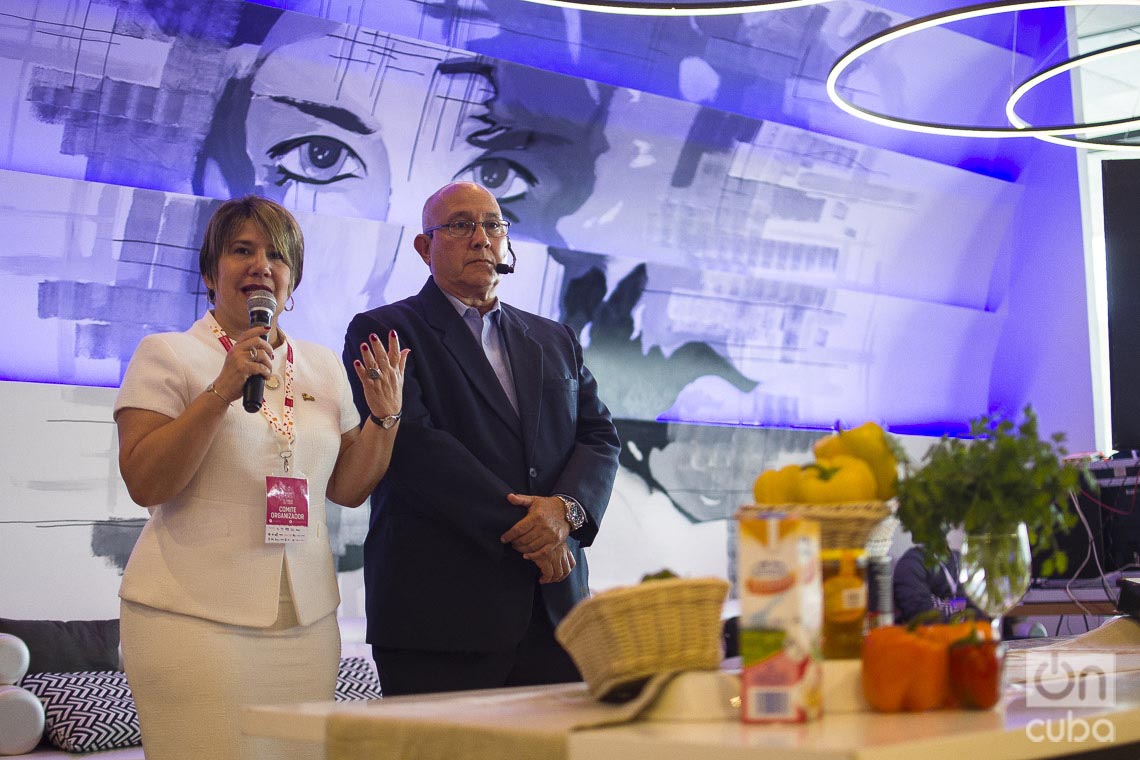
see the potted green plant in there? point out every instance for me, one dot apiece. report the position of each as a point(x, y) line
point(1007, 489)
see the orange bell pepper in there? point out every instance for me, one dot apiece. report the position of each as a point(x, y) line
point(908, 668)
point(904, 671)
point(948, 633)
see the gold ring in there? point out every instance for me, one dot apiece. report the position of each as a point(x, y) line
point(253, 354)
point(374, 373)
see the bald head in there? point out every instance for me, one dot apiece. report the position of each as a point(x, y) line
point(441, 201)
point(462, 265)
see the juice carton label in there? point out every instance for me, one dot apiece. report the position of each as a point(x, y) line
point(781, 601)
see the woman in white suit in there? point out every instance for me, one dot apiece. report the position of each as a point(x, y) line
point(230, 595)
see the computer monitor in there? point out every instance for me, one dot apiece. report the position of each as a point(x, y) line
point(1075, 543)
point(1113, 516)
point(1120, 191)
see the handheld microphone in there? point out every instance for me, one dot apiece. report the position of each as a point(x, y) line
point(504, 267)
point(261, 304)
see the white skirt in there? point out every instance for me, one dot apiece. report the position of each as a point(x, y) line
point(190, 678)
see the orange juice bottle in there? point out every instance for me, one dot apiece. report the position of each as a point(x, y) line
point(781, 615)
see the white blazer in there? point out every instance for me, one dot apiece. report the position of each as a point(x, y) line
point(203, 553)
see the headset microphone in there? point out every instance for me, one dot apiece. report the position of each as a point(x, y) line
point(505, 268)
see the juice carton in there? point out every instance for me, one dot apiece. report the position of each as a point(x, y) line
point(781, 599)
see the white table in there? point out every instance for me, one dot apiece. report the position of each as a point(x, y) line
point(937, 735)
point(1012, 732)
point(954, 735)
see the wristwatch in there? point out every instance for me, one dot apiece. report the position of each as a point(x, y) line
point(575, 515)
point(389, 422)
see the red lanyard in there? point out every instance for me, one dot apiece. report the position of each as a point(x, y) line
point(283, 425)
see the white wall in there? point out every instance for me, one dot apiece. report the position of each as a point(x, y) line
point(58, 475)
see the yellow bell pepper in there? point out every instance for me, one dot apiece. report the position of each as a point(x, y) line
point(869, 443)
point(777, 486)
point(836, 479)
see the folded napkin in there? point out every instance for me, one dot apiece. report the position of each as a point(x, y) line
point(524, 722)
point(1119, 637)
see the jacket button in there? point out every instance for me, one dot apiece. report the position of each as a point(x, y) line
point(533, 472)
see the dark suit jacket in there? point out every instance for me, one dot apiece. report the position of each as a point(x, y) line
point(919, 587)
point(436, 576)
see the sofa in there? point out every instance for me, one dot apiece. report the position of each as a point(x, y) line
point(73, 669)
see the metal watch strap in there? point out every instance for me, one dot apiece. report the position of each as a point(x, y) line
point(575, 513)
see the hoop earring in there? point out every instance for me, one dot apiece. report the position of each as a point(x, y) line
point(289, 304)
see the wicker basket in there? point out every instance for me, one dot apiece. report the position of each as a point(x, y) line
point(621, 637)
point(841, 526)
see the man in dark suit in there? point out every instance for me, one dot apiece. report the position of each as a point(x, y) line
point(502, 468)
point(921, 585)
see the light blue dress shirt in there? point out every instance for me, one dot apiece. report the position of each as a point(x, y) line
point(488, 333)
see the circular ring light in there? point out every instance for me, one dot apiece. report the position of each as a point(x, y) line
point(666, 8)
point(940, 19)
point(1092, 128)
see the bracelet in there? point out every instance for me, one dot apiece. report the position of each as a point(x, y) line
point(211, 389)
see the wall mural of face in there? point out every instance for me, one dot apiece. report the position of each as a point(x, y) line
point(298, 125)
point(347, 122)
point(540, 140)
point(316, 144)
point(331, 119)
point(353, 125)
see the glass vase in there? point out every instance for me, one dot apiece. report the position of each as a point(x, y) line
point(995, 571)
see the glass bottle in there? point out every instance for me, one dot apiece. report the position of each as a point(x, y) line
point(844, 602)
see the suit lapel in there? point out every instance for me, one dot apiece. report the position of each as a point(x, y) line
point(457, 339)
point(526, 368)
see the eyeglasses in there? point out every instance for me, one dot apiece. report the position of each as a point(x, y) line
point(465, 228)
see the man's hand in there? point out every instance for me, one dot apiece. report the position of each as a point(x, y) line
point(543, 528)
point(555, 565)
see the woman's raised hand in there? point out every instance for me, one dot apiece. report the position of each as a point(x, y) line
point(381, 374)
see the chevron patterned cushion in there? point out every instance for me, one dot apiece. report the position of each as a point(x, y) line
point(356, 680)
point(84, 712)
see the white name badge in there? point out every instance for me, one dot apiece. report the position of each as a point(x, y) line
point(286, 510)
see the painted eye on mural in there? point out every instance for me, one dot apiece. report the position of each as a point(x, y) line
point(315, 159)
point(508, 181)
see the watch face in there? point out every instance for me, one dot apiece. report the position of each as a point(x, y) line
point(575, 515)
point(386, 423)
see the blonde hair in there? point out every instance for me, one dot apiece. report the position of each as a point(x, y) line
point(275, 221)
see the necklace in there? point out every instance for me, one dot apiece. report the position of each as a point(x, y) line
point(273, 382)
point(283, 427)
